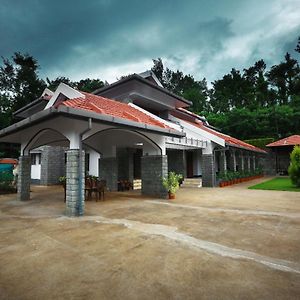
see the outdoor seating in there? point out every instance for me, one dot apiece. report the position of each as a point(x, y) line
point(124, 185)
point(96, 186)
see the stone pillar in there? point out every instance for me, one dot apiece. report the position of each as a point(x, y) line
point(109, 172)
point(154, 168)
point(177, 162)
point(24, 178)
point(248, 162)
point(241, 162)
point(208, 170)
point(254, 162)
point(232, 161)
point(74, 192)
point(223, 162)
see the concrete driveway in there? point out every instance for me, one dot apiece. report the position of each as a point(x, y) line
point(229, 243)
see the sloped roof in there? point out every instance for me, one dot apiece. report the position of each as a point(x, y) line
point(229, 140)
point(113, 108)
point(288, 141)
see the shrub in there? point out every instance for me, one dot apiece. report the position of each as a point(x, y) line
point(294, 168)
point(171, 182)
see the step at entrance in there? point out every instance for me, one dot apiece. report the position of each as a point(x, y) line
point(192, 183)
point(137, 184)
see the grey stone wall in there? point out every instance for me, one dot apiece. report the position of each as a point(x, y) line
point(177, 162)
point(223, 161)
point(232, 162)
point(154, 168)
point(268, 163)
point(52, 164)
point(208, 171)
point(109, 171)
point(74, 205)
point(241, 162)
point(23, 184)
point(125, 163)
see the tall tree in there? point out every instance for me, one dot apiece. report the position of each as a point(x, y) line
point(19, 80)
point(183, 85)
point(285, 77)
point(89, 85)
point(298, 46)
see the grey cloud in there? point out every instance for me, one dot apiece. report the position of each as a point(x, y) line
point(71, 38)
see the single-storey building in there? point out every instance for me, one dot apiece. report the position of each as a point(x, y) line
point(133, 129)
point(280, 153)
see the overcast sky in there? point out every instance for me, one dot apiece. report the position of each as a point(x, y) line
point(109, 38)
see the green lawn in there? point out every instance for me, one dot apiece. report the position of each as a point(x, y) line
point(276, 184)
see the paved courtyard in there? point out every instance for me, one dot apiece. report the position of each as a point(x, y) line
point(221, 243)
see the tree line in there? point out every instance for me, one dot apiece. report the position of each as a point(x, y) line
point(252, 103)
point(249, 103)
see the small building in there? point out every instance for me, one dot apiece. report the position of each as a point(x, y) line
point(280, 153)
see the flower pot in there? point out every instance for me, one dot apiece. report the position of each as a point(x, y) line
point(171, 195)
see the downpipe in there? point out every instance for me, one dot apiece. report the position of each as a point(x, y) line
point(80, 167)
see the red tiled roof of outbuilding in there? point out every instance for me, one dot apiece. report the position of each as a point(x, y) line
point(113, 108)
point(288, 141)
point(12, 161)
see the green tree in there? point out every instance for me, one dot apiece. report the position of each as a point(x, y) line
point(298, 46)
point(54, 83)
point(19, 81)
point(285, 77)
point(89, 85)
point(294, 168)
point(183, 85)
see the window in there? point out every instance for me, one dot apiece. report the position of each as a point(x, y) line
point(36, 159)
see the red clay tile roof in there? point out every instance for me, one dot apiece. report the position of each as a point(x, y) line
point(228, 139)
point(288, 141)
point(11, 161)
point(113, 108)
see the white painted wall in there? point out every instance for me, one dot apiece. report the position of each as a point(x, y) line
point(36, 167)
point(94, 162)
point(197, 163)
point(36, 172)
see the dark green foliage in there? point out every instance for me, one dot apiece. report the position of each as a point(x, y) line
point(260, 143)
point(298, 45)
point(89, 85)
point(276, 122)
point(19, 85)
point(294, 168)
point(183, 85)
point(6, 180)
point(85, 85)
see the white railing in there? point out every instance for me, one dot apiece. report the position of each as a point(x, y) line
point(189, 142)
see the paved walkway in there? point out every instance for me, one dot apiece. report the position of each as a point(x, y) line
point(222, 243)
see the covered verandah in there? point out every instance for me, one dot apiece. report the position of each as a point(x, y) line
point(76, 129)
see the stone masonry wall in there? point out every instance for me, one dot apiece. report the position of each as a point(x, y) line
point(208, 171)
point(176, 162)
point(24, 178)
point(154, 167)
point(109, 171)
point(74, 205)
point(52, 164)
point(125, 163)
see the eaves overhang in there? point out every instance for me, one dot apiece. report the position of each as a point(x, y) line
point(85, 115)
point(145, 81)
point(245, 148)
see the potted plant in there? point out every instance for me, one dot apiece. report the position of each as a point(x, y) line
point(171, 183)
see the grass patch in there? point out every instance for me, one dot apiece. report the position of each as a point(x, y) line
point(276, 184)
